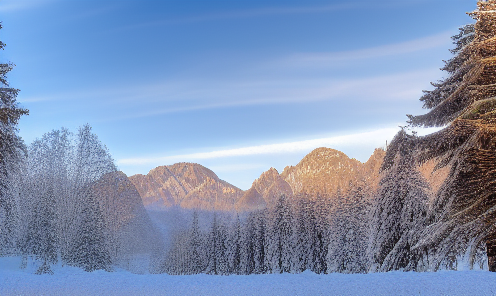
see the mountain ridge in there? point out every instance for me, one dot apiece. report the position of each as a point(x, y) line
point(187, 185)
point(192, 186)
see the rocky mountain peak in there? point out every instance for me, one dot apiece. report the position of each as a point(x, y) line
point(188, 185)
point(323, 170)
point(269, 186)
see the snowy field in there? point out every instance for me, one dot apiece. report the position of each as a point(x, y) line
point(73, 281)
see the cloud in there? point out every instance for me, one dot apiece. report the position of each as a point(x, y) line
point(169, 97)
point(377, 136)
point(408, 47)
point(258, 87)
point(226, 94)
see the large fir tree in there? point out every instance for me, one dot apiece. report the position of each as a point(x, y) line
point(12, 151)
point(461, 217)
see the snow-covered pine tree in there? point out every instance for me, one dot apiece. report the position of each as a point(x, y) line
point(281, 244)
point(473, 54)
point(260, 220)
point(347, 252)
point(399, 210)
point(92, 161)
point(456, 68)
point(305, 228)
point(248, 246)
point(460, 218)
point(319, 220)
point(212, 244)
point(217, 251)
point(12, 153)
point(234, 247)
point(90, 249)
point(197, 264)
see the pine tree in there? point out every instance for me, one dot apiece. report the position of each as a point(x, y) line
point(196, 265)
point(305, 245)
point(470, 72)
point(318, 221)
point(89, 249)
point(459, 219)
point(260, 242)
point(12, 153)
point(235, 248)
point(217, 253)
point(280, 246)
point(399, 209)
point(248, 247)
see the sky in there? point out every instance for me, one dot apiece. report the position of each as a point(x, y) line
point(237, 86)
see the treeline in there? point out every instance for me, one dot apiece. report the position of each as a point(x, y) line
point(293, 236)
point(50, 211)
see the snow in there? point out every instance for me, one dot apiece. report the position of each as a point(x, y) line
point(74, 281)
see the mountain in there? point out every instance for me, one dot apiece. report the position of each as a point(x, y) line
point(326, 171)
point(265, 190)
point(187, 185)
point(323, 171)
point(192, 186)
point(252, 200)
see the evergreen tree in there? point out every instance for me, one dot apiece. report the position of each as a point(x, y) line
point(90, 251)
point(280, 246)
point(260, 242)
point(399, 209)
point(235, 248)
point(305, 245)
point(248, 247)
point(217, 253)
point(321, 233)
point(470, 72)
point(196, 264)
point(12, 153)
point(92, 160)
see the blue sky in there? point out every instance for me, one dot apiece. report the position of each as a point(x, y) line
point(237, 86)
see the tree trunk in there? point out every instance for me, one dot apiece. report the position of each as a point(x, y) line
point(491, 254)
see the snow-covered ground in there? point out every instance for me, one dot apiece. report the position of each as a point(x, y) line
point(72, 281)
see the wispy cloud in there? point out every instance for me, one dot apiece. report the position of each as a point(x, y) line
point(259, 87)
point(177, 97)
point(215, 95)
point(376, 136)
point(323, 59)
